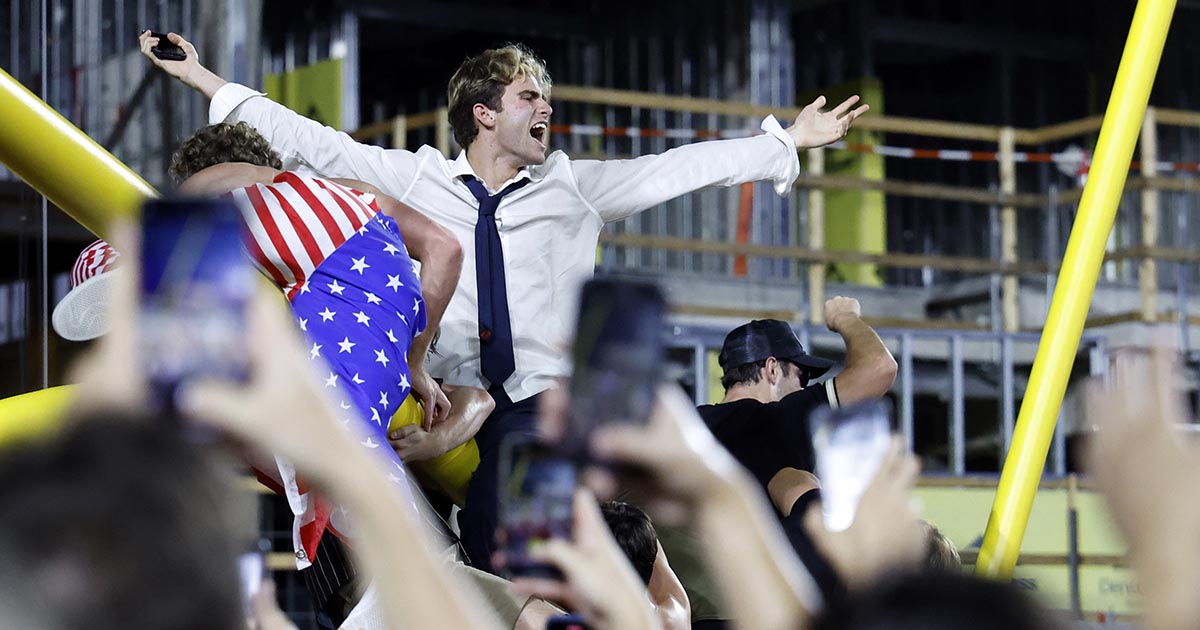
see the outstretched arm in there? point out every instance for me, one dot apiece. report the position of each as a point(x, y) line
point(441, 258)
point(616, 189)
point(301, 142)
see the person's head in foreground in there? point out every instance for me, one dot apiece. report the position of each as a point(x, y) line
point(941, 556)
point(635, 535)
point(937, 601)
point(116, 523)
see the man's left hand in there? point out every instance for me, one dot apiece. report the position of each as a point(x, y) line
point(815, 128)
point(414, 444)
point(437, 405)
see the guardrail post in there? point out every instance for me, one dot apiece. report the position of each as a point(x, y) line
point(1148, 267)
point(816, 238)
point(442, 127)
point(700, 370)
point(400, 132)
point(1008, 230)
point(958, 439)
point(906, 389)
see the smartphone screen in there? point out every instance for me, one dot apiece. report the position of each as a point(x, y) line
point(850, 443)
point(537, 490)
point(617, 356)
point(167, 50)
point(196, 284)
point(251, 571)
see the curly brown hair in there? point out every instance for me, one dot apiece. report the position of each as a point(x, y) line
point(218, 144)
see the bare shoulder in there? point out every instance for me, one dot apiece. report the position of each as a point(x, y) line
point(222, 178)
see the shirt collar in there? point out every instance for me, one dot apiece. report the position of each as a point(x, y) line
point(460, 168)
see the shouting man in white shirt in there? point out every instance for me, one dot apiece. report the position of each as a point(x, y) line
point(528, 223)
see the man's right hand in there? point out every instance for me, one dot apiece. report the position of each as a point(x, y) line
point(188, 70)
point(838, 307)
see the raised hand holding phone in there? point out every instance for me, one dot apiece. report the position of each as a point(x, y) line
point(850, 444)
point(536, 487)
point(196, 285)
point(186, 68)
point(617, 359)
point(166, 49)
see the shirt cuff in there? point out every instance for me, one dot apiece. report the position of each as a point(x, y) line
point(227, 98)
point(783, 183)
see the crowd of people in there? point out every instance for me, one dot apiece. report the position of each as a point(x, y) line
point(452, 283)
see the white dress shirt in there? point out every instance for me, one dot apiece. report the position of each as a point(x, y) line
point(549, 228)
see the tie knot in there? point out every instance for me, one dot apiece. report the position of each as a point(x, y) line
point(489, 203)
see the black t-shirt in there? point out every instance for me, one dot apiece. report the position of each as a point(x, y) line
point(766, 437)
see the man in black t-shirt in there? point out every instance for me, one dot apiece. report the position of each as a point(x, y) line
point(763, 419)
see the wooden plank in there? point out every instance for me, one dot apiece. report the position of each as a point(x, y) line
point(1108, 320)
point(887, 259)
point(385, 127)
point(926, 191)
point(816, 238)
point(1052, 559)
point(890, 124)
point(991, 481)
point(280, 561)
point(795, 316)
point(1163, 182)
point(1062, 131)
point(372, 131)
point(1178, 117)
point(1168, 254)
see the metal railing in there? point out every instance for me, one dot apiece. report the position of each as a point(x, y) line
point(1008, 354)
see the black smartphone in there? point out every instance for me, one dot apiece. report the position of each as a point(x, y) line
point(537, 488)
point(617, 357)
point(164, 49)
point(196, 285)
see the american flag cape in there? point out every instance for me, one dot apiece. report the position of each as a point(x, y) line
point(356, 294)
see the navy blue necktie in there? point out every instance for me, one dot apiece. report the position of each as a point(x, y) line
point(495, 332)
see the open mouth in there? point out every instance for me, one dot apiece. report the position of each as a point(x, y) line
point(538, 131)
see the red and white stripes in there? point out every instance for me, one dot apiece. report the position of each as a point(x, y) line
point(296, 222)
point(94, 260)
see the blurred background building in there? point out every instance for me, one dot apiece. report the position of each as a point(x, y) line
point(946, 212)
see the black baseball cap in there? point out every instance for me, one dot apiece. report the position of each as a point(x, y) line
point(762, 338)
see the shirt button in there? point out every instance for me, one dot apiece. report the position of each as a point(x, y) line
point(301, 555)
point(485, 334)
